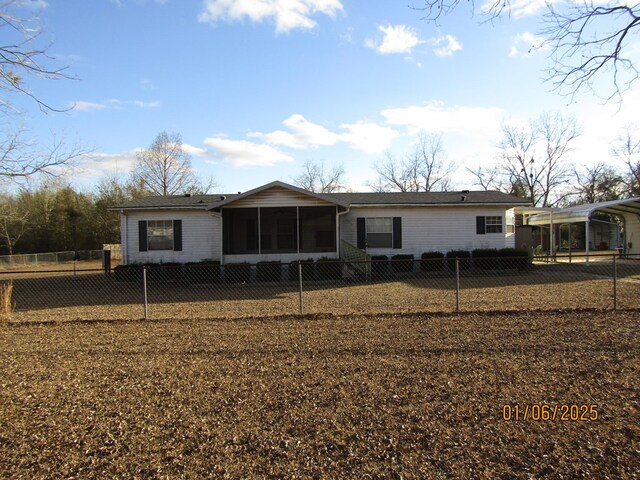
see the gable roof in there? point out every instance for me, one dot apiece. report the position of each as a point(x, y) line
point(345, 200)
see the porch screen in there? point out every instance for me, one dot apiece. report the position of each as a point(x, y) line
point(278, 230)
point(317, 229)
point(240, 231)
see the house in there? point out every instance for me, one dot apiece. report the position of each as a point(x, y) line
point(280, 222)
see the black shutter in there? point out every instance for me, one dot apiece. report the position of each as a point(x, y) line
point(397, 232)
point(480, 228)
point(361, 233)
point(142, 236)
point(177, 235)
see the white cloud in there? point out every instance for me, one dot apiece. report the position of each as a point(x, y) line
point(435, 117)
point(446, 45)
point(395, 39)
point(113, 103)
point(287, 14)
point(304, 134)
point(195, 151)
point(32, 4)
point(525, 44)
point(81, 106)
point(369, 137)
point(241, 153)
point(98, 164)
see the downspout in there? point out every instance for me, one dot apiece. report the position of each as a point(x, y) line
point(218, 215)
point(123, 236)
point(338, 215)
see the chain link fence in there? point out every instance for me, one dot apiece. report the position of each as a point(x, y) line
point(242, 290)
point(49, 258)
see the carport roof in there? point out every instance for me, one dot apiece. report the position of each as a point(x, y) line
point(582, 213)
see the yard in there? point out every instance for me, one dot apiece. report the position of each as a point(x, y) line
point(411, 396)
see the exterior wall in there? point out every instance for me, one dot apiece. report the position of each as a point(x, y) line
point(201, 237)
point(278, 197)
point(434, 228)
point(632, 233)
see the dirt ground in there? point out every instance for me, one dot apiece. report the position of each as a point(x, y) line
point(330, 397)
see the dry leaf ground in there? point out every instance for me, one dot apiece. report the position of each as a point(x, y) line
point(332, 397)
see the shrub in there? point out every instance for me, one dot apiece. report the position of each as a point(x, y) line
point(432, 262)
point(515, 258)
point(237, 272)
point(379, 265)
point(268, 272)
point(127, 273)
point(486, 258)
point(207, 271)
point(402, 263)
point(163, 272)
point(308, 270)
point(329, 268)
point(463, 256)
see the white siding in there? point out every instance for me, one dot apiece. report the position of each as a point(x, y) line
point(632, 233)
point(278, 197)
point(201, 237)
point(434, 228)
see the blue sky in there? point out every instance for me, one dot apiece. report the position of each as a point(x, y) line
point(257, 87)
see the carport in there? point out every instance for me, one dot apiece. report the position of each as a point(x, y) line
point(627, 211)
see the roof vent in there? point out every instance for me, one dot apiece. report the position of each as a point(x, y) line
point(463, 198)
point(222, 198)
point(187, 194)
point(239, 193)
point(465, 191)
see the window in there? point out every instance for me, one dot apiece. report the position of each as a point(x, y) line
point(379, 232)
point(160, 234)
point(490, 224)
point(493, 224)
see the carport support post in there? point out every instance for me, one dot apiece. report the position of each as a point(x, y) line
point(457, 285)
point(615, 283)
point(300, 283)
point(144, 288)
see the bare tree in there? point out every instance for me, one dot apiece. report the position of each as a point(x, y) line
point(21, 56)
point(14, 221)
point(315, 177)
point(586, 38)
point(627, 148)
point(597, 183)
point(422, 170)
point(21, 159)
point(534, 158)
point(493, 179)
point(165, 168)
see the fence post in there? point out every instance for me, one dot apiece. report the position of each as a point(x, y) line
point(615, 283)
point(300, 284)
point(457, 285)
point(144, 288)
